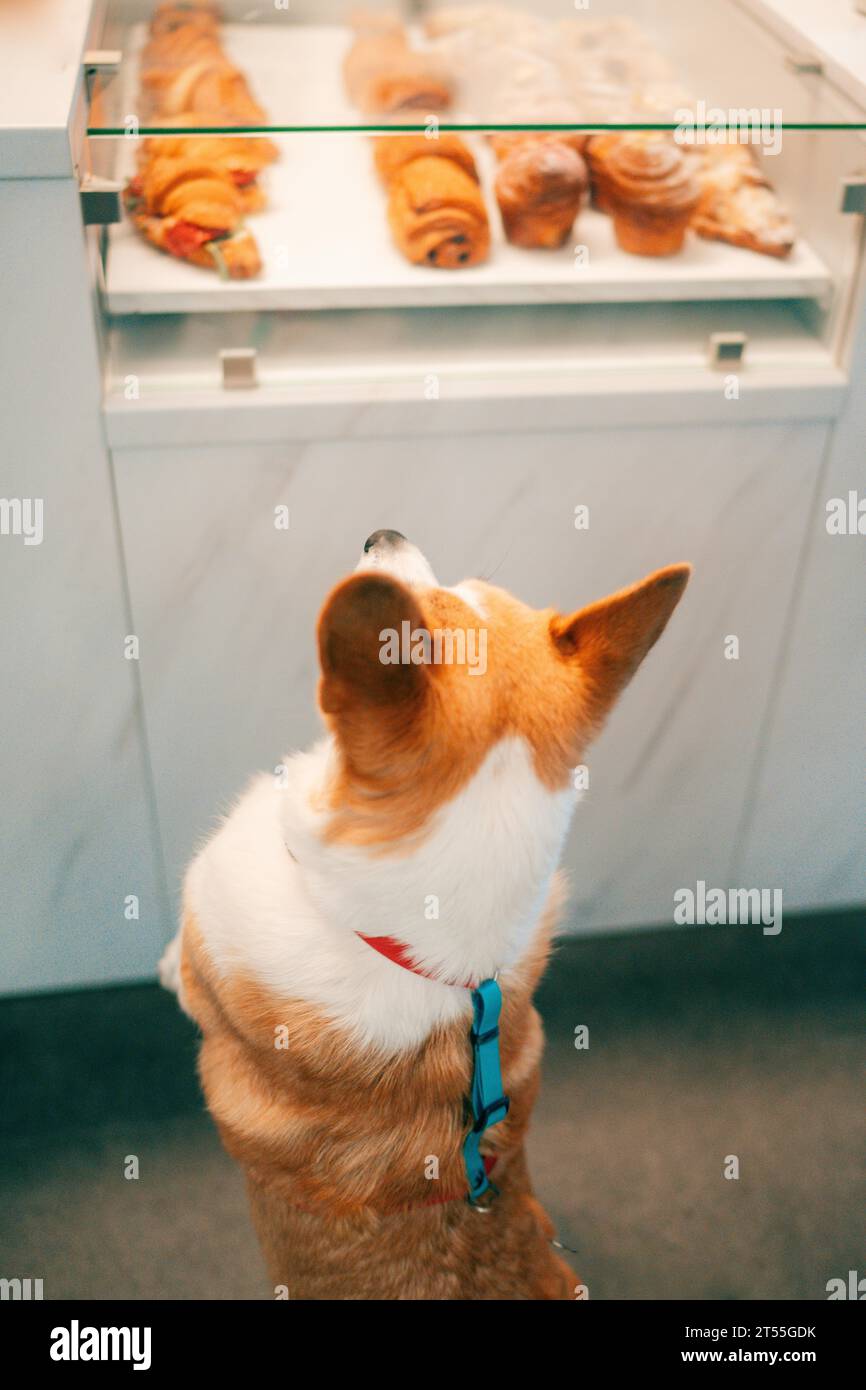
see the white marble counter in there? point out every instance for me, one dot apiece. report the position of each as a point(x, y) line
point(42, 46)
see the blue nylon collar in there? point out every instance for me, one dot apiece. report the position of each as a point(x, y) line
point(489, 1105)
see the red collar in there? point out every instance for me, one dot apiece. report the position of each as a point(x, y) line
point(398, 952)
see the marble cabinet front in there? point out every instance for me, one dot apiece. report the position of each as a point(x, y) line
point(231, 552)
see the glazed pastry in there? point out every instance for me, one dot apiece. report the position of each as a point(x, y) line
point(193, 211)
point(750, 216)
point(737, 204)
point(540, 185)
point(382, 74)
point(391, 152)
point(647, 184)
point(437, 214)
point(725, 165)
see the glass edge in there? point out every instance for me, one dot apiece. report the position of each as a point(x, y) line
point(480, 127)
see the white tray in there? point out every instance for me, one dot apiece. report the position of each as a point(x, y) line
point(325, 241)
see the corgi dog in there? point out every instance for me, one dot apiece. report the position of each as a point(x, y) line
point(337, 927)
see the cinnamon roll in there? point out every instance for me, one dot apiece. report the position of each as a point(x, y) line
point(647, 184)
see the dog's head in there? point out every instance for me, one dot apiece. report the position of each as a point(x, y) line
point(420, 683)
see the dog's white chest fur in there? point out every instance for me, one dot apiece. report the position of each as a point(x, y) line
point(465, 898)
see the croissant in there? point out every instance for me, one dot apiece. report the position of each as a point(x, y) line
point(437, 214)
point(645, 181)
point(191, 192)
point(738, 205)
point(160, 71)
point(242, 158)
point(234, 257)
point(257, 150)
point(161, 57)
point(166, 184)
point(540, 185)
point(193, 211)
point(212, 86)
point(391, 152)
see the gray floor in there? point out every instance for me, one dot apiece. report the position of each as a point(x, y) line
point(704, 1043)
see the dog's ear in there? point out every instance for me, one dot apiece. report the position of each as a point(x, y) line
point(610, 639)
point(360, 631)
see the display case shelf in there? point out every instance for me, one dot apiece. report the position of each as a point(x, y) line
point(325, 241)
point(314, 260)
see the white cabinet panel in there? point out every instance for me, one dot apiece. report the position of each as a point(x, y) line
point(77, 830)
point(807, 826)
point(226, 605)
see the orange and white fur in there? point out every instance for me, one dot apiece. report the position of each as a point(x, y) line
point(434, 811)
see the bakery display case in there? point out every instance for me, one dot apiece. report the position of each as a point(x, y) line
point(313, 85)
point(616, 174)
point(459, 269)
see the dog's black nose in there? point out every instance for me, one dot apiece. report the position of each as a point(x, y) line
point(389, 537)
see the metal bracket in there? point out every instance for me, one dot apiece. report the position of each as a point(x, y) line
point(854, 193)
point(804, 64)
point(727, 350)
point(238, 368)
point(100, 201)
point(97, 61)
